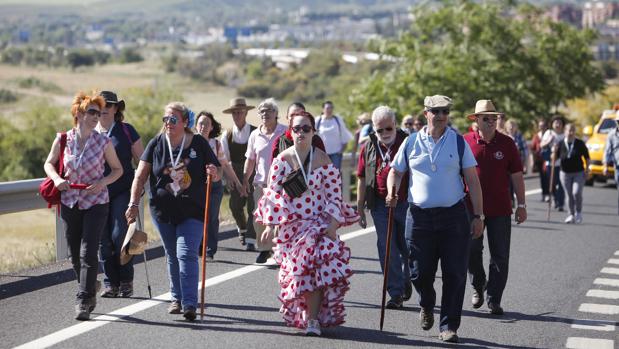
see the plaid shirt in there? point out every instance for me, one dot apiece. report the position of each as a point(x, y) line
point(90, 170)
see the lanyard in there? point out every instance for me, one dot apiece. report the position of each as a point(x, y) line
point(440, 144)
point(569, 147)
point(178, 157)
point(385, 156)
point(311, 155)
point(109, 132)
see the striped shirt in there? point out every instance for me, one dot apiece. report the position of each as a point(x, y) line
point(84, 167)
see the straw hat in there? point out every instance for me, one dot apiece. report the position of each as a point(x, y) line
point(483, 107)
point(238, 104)
point(134, 244)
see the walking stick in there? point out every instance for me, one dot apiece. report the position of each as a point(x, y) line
point(386, 264)
point(204, 240)
point(141, 227)
point(551, 184)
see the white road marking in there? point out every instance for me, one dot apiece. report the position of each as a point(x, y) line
point(606, 282)
point(588, 343)
point(613, 261)
point(532, 191)
point(617, 253)
point(81, 328)
point(595, 325)
point(607, 309)
point(603, 294)
point(607, 270)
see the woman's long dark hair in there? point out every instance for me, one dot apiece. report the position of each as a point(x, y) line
point(216, 126)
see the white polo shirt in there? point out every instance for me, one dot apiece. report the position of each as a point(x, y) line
point(334, 133)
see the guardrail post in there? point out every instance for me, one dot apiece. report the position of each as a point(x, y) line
point(62, 250)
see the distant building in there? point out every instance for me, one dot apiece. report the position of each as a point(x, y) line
point(596, 13)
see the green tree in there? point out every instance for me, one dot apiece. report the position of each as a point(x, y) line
point(467, 50)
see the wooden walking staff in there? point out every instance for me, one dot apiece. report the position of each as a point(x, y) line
point(386, 264)
point(551, 184)
point(204, 241)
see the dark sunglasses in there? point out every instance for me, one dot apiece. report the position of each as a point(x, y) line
point(170, 119)
point(437, 111)
point(489, 119)
point(381, 130)
point(408, 124)
point(94, 112)
point(304, 128)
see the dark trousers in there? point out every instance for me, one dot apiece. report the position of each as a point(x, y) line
point(217, 193)
point(83, 229)
point(112, 240)
point(238, 205)
point(557, 189)
point(499, 231)
point(543, 180)
point(441, 233)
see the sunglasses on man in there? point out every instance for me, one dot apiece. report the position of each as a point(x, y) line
point(170, 119)
point(386, 129)
point(437, 111)
point(299, 128)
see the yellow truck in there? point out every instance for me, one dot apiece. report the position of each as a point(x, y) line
point(597, 139)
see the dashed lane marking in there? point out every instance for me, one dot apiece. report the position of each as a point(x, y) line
point(607, 309)
point(607, 270)
point(603, 294)
point(596, 325)
point(81, 328)
point(606, 282)
point(613, 261)
point(588, 343)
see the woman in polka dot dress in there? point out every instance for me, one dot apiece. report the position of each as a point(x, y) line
point(314, 268)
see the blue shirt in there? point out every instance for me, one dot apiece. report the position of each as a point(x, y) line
point(428, 188)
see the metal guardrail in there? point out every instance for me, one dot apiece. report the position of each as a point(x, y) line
point(19, 196)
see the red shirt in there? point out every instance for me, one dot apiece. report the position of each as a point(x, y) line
point(381, 177)
point(496, 161)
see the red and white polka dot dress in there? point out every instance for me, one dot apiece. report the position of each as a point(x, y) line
point(308, 259)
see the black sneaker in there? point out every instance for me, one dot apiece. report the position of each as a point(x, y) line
point(190, 313)
point(82, 311)
point(426, 317)
point(395, 303)
point(495, 309)
point(477, 300)
point(408, 290)
point(263, 256)
point(126, 289)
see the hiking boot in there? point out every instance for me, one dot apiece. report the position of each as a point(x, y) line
point(426, 317)
point(250, 247)
point(126, 289)
point(175, 307)
point(449, 336)
point(82, 311)
point(110, 292)
point(313, 328)
point(190, 313)
point(408, 290)
point(395, 303)
point(263, 256)
point(495, 309)
point(477, 300)
point(92, 303)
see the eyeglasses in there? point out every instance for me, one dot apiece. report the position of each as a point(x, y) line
point(94, 112)
point(437, 111)
point(170, 119)
point(408, 124)
point(299, 128)
point(489, 119)
point(381, 130)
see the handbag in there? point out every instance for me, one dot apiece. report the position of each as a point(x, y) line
point(294, 184)
point(47, 189)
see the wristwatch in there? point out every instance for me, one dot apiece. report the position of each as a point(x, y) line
point(522, 205)
point(480, 216)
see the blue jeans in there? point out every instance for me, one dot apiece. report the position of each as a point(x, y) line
point(499, 231)
point(399, 271)
point(181, 243)
point(336, 159)
point(217, 193)
point(112, 240)
point(441, 233)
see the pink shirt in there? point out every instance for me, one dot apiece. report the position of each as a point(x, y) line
point(259, 148)
point(84, 168)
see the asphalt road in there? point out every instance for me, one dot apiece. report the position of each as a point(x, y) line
point(559, 274)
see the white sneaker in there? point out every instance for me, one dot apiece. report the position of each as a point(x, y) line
point(313, 328)
point(569, 219)
point(578, 218)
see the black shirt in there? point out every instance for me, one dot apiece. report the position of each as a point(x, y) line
point(572, 161)
point(189, 201)
point(123, 136)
